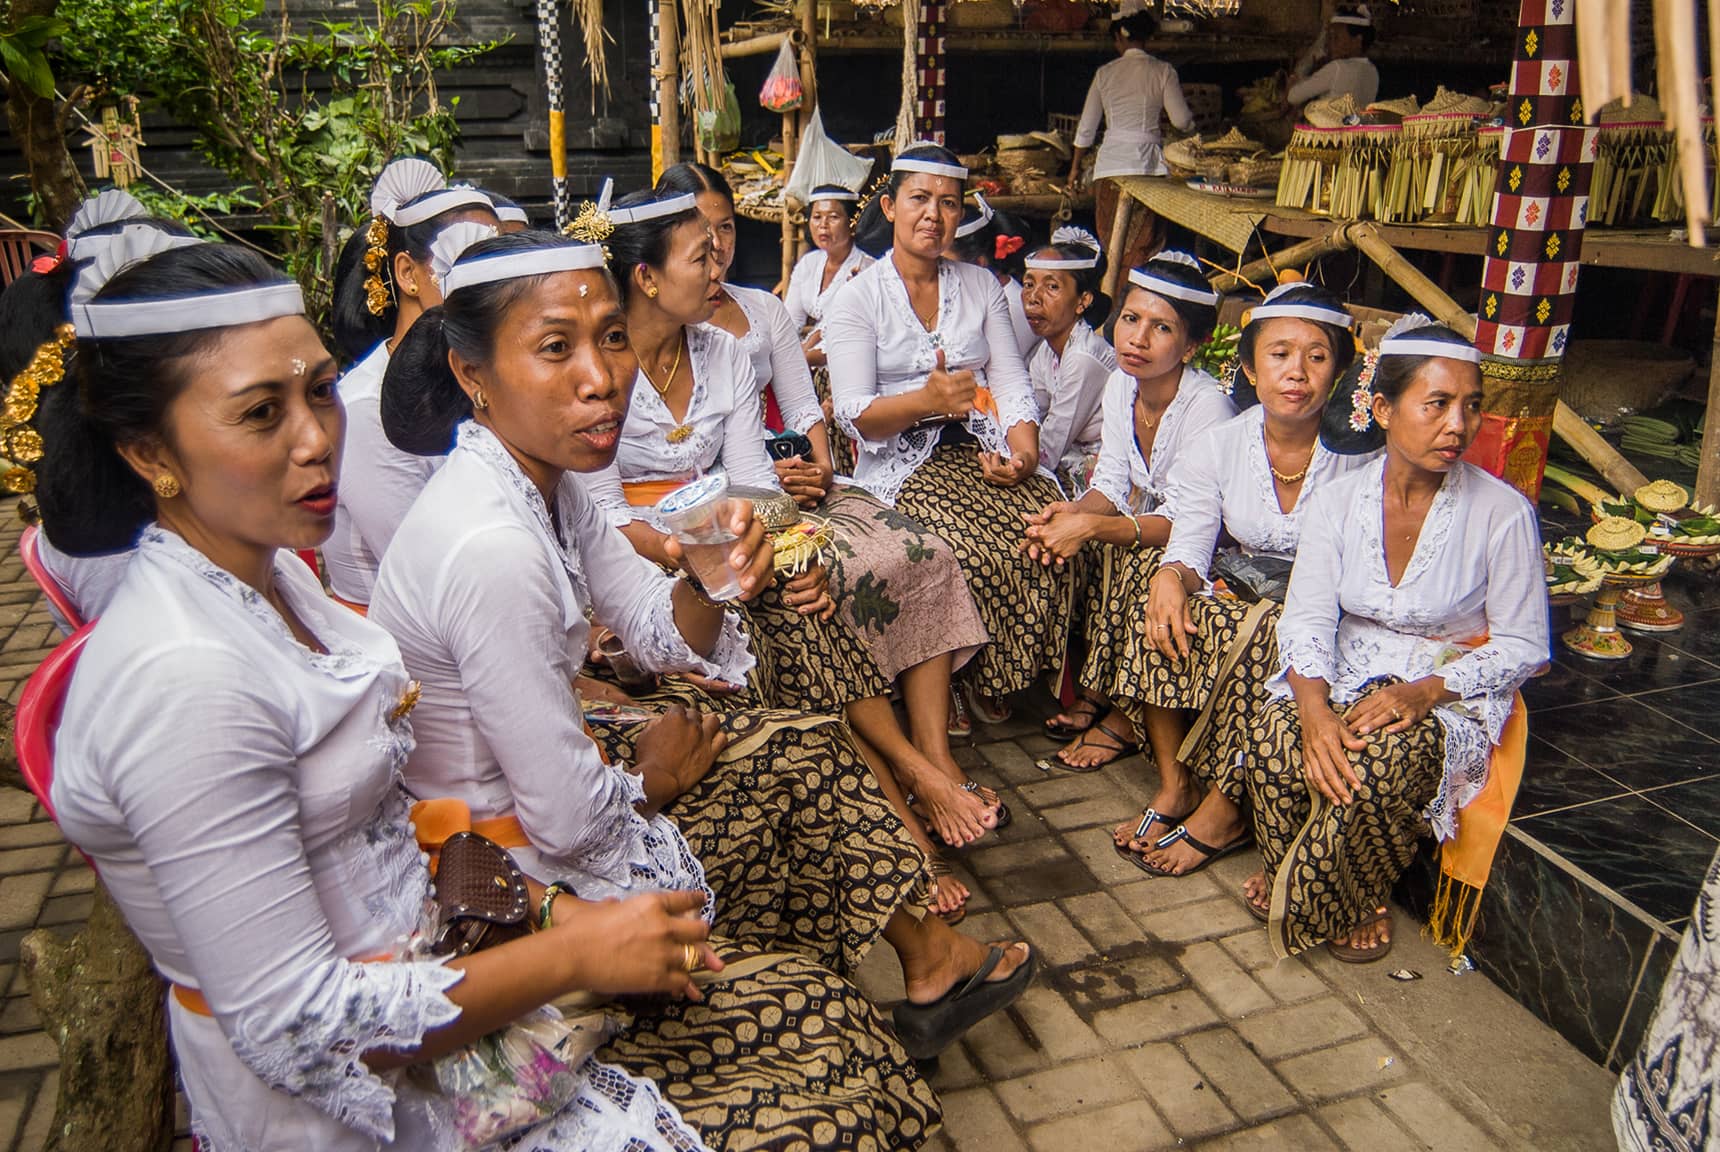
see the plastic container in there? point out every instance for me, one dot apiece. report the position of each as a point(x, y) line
point(695, 515)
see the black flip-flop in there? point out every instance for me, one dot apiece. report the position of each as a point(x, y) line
point(1149, 817)
point(1351, 955)
point(927, 1029)
point(1069, 731)
point(1117, 749)
point(1207, 851)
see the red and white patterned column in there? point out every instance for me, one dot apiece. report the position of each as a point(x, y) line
point(929, 72)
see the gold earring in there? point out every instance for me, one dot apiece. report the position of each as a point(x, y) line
point(479, 400)
point(651, 291)
point(166, 486)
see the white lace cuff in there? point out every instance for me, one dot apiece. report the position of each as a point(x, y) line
point(847, 410)
point(1486, 683)
point(314, 1050)
point(663, 649)
point(1016, 409)
point(1310, 657)
point(802, 417)
point(1117, 494)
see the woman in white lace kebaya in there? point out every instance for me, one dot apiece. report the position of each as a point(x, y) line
point(1062, 300)
point(1416, 609)
point(229, 757)
point(1156, 404)
point(488, 587)
point(383, 285)
point(927, 378)
point(1248, 480)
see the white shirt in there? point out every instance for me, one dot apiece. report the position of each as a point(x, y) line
point(1129, 93)
point(1225, 482)
point(1070, 393)
point(490, 610)
point(772, 346)
point(1025, 338)
point(727, 429)
point(1140, 486)
point(378, 483)
point(89, 582)
point(878, 347)
point(807, 299)
point(1355, 75)
point(1476, 570)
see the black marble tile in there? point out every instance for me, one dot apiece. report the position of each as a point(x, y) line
point(1695, 801)
point(1552, 779)
point(1652, 664)
point(1636, 1018)
point(1695, 706)
point(1637, 745)
point(1631, 845)
point(1564, 686)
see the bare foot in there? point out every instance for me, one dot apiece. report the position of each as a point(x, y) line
point(1109, 740)
point(1212, 824)
point(949, 895)
point(956, 958)
point(1081, 716)
point(1370, 936)
point(1258, 895)
point(958, 817)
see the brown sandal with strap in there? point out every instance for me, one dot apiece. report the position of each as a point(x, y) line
point(1117, 748)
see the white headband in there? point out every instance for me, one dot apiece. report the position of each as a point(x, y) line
point(829, 194)
point(1360, 18)
point(1313, 312)
point(1165, 287)
point(930, 167)
point(655, 209)
point(226, 309)
point(978, 222)
point(1074, 237)
point(515, 265)
point(512, 214)
point(437, 203)
point(1409, 346)
point(1047, 264)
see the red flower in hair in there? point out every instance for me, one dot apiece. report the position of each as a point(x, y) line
point(1008, 246)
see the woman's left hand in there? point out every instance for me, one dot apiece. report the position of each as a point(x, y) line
point(809, 593)
point(804, 479)
point(1058, 536)
point(1005, 471)
point(1393, 709)
point(813, 349)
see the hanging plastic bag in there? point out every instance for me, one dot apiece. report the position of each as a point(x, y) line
point(823, 161)
point(782, 91)
point(720, 128)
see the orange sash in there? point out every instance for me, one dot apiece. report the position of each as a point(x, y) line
point(361, 609)
point(644, 493)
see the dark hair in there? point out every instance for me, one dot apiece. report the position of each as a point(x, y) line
point(873, 232)
point(85, 488)
point(499, 200)
point(980, 246)
point(1137, 28)
point(646, 242)
point(356, 329)
point(422, 403)
point(1086, 279)
point(694, 177)
point(825, 192)
point(1342, 343)
point(1199, 319)
point(1392, 376)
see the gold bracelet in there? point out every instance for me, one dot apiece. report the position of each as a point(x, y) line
point(547, 904)
point(1136, 521)
point(698, 591)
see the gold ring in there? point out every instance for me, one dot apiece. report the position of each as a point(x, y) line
point(1396, 715)
point(690, 957)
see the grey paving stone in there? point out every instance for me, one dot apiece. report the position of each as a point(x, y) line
point(974, 1121)
point(1362, 1065)
point(1128, 1127)
point(1053, 934)
point(15, 806)
point(1075, 1086)
point(1001, 1050)
point(1102, 920)
point(1010, 763)
point(1091, 814)
point(21, 898)
point(1147, 896)
point(1249, 1086)
point(1051, 791)
point(1301, 1028)
point(1433, 1119)
point(1204, 920)
point(1291, 1134)
point(1291, 981)
point(1120, 982)
point(1057, 1030)
point(1179, 1090)
point(1363, 1126)
point(1154, 1018)
point(1223, 980)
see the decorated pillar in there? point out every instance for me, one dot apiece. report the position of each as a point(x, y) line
point(1529, 280)
point(929, 72)
point(549, 42)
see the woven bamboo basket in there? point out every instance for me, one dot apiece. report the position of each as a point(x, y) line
point(1477, 176)
point(1310, 163)
point(1426, 171)
point(1260, 171)
point(1669, 195)
point(1629, 158)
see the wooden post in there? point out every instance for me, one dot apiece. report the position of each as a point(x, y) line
point(666, 133)
point(1708, 472)
point(1117, 242)
point(808, 58)
point(1336, 240)
point(790, 147)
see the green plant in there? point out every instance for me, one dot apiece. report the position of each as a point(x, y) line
point(195, 212)
point(22, 51)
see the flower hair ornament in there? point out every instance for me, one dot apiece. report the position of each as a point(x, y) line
point(591, 224)
point(1362, 396)
point(21, 443)
point(1006, 246)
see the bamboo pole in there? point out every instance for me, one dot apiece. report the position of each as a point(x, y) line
point(753, 45)
point(668, 79)
point(1708, 471)
point(1117, 242)
point(790, 148)
point(1267, 267)
point(1602, 457)
point(808, 59)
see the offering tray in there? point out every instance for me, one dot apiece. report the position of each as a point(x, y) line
point(1644, 608)
point(1599, 635)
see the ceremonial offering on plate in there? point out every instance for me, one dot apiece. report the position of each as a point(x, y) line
point(1620, 547)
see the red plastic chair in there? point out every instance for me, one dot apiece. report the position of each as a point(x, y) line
point(45, 579)
point(38, 717)
point(20, 246)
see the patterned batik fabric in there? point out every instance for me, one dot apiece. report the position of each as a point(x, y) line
point(897, 584)
point(1230, 703)
point(1114, 603)
point(1665, 1099)
point(804, 663)
point(1331, 866)
point(792, 1057)
point(841, 448)
point(799, 844)
point(1025, 606)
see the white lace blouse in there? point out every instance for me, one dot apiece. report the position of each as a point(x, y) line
point(1224, 483)
point(772, 346)
point(807, 299)
point(1140, 486)
point(878, 347)
point(378, 483)
point(727, 429)
point(1476, 572)
point(1070, 393)
point(238, 793)
point(489, 601)
point(88, 581)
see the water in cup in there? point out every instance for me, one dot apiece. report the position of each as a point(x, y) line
point(694, 514)
point(708, 557)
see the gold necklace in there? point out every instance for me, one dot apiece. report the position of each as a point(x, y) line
point(680, 432)
point(1283, 479)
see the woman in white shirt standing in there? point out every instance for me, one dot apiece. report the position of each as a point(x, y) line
point(896, 585)
point(1062, 300)
point(1417, 607)
point(488, 587)
point(383, 286)
point(925, 375)
point(1129, 94)
point(1347, 70)
point(1248, 480)
point(832, 261)
point(229, 758)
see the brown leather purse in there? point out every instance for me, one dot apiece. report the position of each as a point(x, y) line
point(480, 894)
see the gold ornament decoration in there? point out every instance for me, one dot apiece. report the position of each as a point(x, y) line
point(375, 259)
point(1616, 534)
point(1662, 496)
point(23, 444)
point(166, 486)
point(590, 225)
point(19, 481)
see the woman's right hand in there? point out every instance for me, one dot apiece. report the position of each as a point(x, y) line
point(682, 744)
point(637, 946)
point(1169, 619)
point(1326, 744)
point(813, 348)
point(951, 393)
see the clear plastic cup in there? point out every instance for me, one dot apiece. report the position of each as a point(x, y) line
point(695, 514)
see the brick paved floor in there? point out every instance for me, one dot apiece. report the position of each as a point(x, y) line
point(1159, 1021)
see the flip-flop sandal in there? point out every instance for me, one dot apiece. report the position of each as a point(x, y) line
point(1352, 955)
point(986, 714)
point(1117, 749)
point(938, 869)
point(1084, 706)
point(1256, 911)
point(927, 1029)
point(960, 723)
point(1207, 852)
point(1149, 817)
point(1004, 817)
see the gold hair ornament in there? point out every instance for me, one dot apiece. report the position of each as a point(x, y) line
point(591, 225)
point(21, 443)
point(375, 260)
